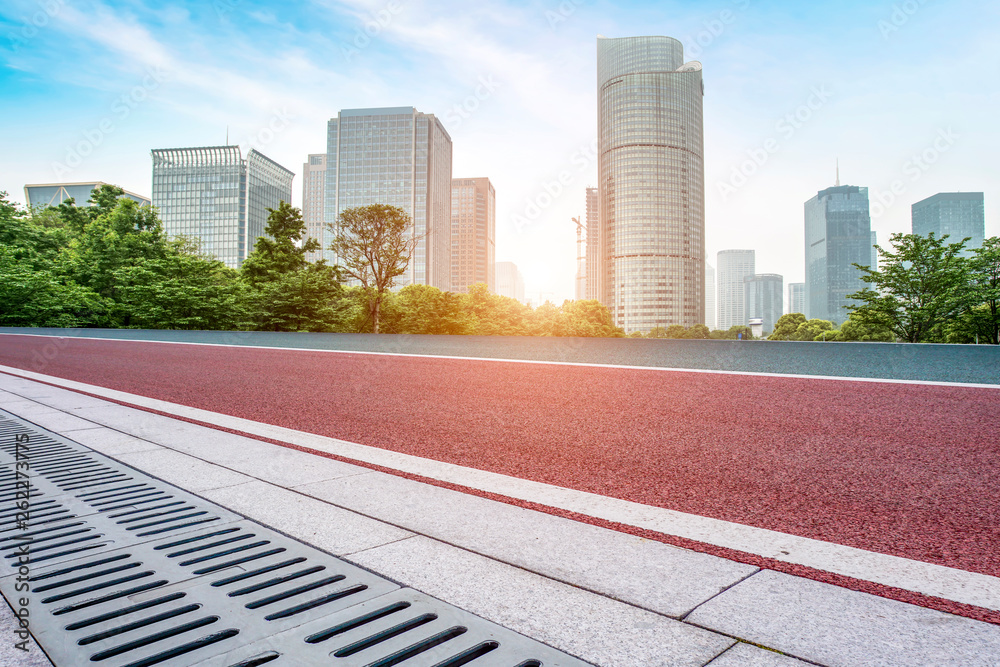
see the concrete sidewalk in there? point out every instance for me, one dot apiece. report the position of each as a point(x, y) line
point(609, 598)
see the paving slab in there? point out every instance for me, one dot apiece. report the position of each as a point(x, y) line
point(591, 627)
point(182, 470)
point(25, 407)
point(334, 530)
point(649, 574)
point(843, 628)
point(111, 442)
point(747, 655)
point(10, 655)
point(57, 421)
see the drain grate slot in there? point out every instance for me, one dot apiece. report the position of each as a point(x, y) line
point(128, 571)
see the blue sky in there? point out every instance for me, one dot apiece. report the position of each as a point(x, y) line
point(903, 93)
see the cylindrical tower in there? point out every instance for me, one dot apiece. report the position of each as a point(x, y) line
point(652, 183)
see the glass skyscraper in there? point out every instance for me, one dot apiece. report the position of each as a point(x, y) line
point(651, 182)
point(764, 298)
point(838, 235)
point(400, 157)
point(473, 233)
point(214, 195)
point(313, 211)
point(796, 298)
point(957, 214)
point(43, 195)
point(735, 266)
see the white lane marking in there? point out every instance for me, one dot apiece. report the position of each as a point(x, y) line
point(935, 580)
point(972, 385)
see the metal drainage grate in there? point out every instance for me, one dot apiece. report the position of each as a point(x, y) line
point(127, 571)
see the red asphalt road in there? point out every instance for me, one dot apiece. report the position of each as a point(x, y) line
point(908, 470)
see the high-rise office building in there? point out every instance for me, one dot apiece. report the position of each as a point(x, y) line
point(796, 298)
point(734, 266)
point(217, 196)
point(593, 261)
point(837, 235)
point(957, 214)
point(400, 157)
point(652, 183)
point(874, 265)
point(313, 190)
point(42, 195)
point(473, 233)
point(764, 298)
point(510, 282)
point(710, 311)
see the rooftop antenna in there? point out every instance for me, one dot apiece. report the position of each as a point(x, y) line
point(227, 135)
point(838, 172)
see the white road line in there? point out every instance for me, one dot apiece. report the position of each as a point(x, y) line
point(972, 385)
point(934, 580)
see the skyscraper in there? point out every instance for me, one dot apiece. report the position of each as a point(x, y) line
point(652, 183)
point(217, 196)
point(510, 282)
point(763, 297)
point(400, 157)
point(710, 311)
point(957, 214)
point(874, 265)
point(734, 267)
point(473, 233)
point(313, 188)
point(593, 261)
point(796, 298)
point(837, 235)
point(52, 194)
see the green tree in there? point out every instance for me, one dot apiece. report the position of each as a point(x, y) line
point(422, 309)
point(984, 273)
point(495, 315)
point(921, 286)
point(733, 333)
point(291, 293)
point(36, 297)
point(853, 329)
point(374, 244)
point(586, 317)
point(814, 329)
point(697, 331)
point(786, 326)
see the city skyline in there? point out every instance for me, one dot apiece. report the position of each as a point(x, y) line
point(782, 89)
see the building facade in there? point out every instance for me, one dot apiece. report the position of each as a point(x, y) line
point(710, 310)
point(652, 185)
point(473, 233)
point(837, 235)
point(400, 157)
point(957, 214)
point(796, 298)
point(313, 196)
point(734, 266)
point(215, 195)
point(593, 261)
point(510, 282)
point(763, 295)
point(43, 195)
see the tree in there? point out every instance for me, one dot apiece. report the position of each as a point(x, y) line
point(813, 329)
point(586, 318)
point(853, 329)
point(697, 331)
point(36, 297)
point(373, 244)
point(984, 272)
point(495, 315)
point(922, 285)
point(422, 309)
point(291, 293)
point(786, 326)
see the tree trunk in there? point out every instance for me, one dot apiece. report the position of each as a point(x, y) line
point(375, 315)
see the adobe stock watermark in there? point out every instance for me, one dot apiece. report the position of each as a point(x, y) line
point(713, 28)
point(121, 109)
point(913, 170)
point(372, 28)
point(279, 121)
point(900, 16)
point(31, 25)
point(553, 188)
point(463, 110)
point(785, 128)
point(562, 12)
point(223, 8)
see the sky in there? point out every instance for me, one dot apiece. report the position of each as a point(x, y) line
point(904, 94)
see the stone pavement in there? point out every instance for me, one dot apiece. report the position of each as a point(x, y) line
point(609, 598)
